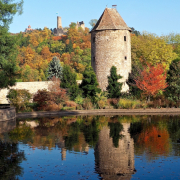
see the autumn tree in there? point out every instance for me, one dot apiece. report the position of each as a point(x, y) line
point(148, 48)
point(55, 69)
point(114, 87)
point(151, 80)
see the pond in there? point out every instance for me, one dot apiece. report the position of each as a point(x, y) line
point(91, 147)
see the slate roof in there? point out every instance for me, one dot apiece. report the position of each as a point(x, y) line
point(110, 19)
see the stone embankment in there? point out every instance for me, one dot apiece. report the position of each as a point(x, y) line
point(7, 113)
point(162, 111)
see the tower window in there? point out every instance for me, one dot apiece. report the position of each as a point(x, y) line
point(93, 59)
point(125, 57)
point(93, 39)
point(124, 38)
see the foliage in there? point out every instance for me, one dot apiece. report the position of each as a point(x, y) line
point(152, 80)
point(137, 33)
point(101, 100)
point(129, 104)
point(134, 91)
point(79, 100)
point(55, 69)
point(173, 79)
point(93, 22)
point(151, 49)
point(8, 10)
point(89, 84)
point(87, 104)
point(19, 98)
point(58, 95)
point(68, 82)
point(8, 53)
point(114, 87)
point(42, 97)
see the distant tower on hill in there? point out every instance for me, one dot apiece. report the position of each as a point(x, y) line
point(59, 24)
point(111, 46)
point(59, 31)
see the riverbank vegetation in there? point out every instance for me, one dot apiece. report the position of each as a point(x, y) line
point(38, 55)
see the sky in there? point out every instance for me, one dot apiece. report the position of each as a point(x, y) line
point(155, 16)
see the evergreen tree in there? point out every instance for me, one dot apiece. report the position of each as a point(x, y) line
point(133, 89)
point(68, 82)
point(89, 84)
point(114, 87)
point(173, 80)
point(55, 68)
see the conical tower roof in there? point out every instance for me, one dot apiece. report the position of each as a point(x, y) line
point(110, 19)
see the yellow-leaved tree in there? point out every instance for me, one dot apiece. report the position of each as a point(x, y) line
point(149, 48)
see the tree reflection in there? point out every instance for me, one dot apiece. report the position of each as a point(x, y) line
point(10, 159)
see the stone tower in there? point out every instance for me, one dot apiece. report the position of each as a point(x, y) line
point(111, 46)
point(59, 24)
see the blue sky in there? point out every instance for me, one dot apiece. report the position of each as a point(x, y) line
point(155, 16)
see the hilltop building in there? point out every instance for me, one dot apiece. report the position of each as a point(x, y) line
point(59, 31)
point(80, 24)
point(28, 29)
point(111, 46)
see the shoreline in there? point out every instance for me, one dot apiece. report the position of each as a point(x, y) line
point(162, 111)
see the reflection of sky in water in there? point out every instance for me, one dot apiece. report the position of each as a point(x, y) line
point(48, 164)
point(162, 168)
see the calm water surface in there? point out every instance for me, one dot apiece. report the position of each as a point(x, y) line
point(91, 147)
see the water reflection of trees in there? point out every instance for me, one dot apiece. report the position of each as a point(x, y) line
point(10, 159)
point(155, 134)
point(10, 155)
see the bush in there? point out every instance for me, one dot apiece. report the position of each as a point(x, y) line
point(129, 104)
point(52, 107)
point(19, 99)
point(57, 95)
point(79, 100)
point(101, 99)
point(70, 104)
point(113, 102)
point(87, 104)
point(42, 97)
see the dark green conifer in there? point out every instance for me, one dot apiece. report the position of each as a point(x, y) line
point(68, 82)
point(114, 87)
point(89, 84)
point(55, 69)
point(172, 92)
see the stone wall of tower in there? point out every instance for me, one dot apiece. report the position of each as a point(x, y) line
point(111, 48)
point(59, 24)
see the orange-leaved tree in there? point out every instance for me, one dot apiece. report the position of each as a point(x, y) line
point(151, 80)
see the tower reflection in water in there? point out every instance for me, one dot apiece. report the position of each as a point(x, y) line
point(115, 162)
